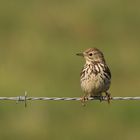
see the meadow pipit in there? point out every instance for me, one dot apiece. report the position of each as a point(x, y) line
point(95, 76)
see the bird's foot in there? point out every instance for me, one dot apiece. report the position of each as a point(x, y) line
point(108, 97)
point(83, 100)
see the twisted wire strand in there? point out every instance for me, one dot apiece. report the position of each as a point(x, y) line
point(24, 98)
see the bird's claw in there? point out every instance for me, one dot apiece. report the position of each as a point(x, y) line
point(83, 100)
point(108, 97)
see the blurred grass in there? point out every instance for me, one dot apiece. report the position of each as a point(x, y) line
point(38, 42)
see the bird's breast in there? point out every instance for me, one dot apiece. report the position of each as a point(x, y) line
point(93, 79)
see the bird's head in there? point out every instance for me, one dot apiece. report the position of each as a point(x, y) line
point(92, 55)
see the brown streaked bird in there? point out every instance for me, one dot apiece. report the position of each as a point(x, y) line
point(95, 76)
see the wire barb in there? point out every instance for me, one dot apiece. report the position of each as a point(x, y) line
point(21, 98)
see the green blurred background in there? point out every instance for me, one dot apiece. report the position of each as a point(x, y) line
point(38, 43)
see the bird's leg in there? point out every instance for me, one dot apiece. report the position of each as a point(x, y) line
point(108, 96)
point(84, 99)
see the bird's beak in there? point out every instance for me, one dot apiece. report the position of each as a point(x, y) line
point(80, 54)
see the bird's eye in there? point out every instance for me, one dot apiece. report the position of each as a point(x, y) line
point(90, 54)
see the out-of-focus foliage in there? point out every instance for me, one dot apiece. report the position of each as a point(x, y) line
point(38, 43)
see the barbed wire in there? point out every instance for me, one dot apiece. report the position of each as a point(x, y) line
point(25, 98)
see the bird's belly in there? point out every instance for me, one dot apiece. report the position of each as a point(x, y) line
point(94, 85)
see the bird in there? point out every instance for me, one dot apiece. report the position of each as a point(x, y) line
point(95, 77)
